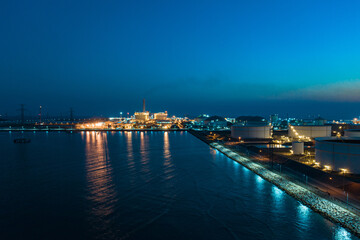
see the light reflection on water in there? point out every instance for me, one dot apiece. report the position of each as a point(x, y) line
point(130, 157)
point(246, 173)
point(168, 165)
point(303, 214)
point(277, 201)
point(259, 184)
point(144, 154)
point(167, 153)
point(100, 185)
point(235, 167)
point(213, 151)
point(130, 154)
point(342, 234)
point(277, 193)
point(190, 190)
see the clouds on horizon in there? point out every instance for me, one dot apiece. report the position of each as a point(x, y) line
point(343, 91)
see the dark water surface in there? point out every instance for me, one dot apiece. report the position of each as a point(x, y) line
point(132, 185)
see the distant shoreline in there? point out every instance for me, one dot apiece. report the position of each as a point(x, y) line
point(89, 130)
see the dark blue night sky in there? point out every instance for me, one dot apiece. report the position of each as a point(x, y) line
point(188, 57)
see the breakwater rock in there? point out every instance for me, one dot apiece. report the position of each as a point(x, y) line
point(325, 207)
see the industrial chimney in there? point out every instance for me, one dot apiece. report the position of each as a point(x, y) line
point(144, 105)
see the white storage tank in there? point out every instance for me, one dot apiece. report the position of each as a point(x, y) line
point(339, 154)
point(309, 131)
point(251, 131)
point(352, 133)
point(298, 148)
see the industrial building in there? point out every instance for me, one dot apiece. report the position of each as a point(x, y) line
point(338, 154)
point(309, 131)
point(144, 115)
point(161, 115)
point(251, 131)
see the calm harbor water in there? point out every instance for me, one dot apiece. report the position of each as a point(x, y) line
point(141, 185)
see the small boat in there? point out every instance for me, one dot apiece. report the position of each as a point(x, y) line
point(22, 140)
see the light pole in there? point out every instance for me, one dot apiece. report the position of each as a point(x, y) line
point(306, 179)
point(343, 170)
point(272, 154)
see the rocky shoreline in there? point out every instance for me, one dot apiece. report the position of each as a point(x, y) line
point(328, 209)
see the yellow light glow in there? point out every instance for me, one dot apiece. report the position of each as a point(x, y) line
point(343, 170)
point(327, 167)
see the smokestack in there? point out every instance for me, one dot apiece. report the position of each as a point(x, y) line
point(144, 105)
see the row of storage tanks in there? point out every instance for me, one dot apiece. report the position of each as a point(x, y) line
point(337, 153)
point(264, 131)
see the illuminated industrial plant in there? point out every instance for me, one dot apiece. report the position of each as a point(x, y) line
point(139, 121)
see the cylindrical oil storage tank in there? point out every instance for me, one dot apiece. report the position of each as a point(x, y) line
point(352, 133)
point(298, 148)
point(339, 153)
point(251, 131)
point(309, 131)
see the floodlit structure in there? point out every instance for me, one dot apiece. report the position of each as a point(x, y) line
point(251, 131)
point(309, 131)
point(161, 115)
point(338, 154)
point(352, 133)
point(142, 116)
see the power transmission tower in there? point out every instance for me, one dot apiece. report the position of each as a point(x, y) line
point(71, 114)
point(22, 113)
point(40, 115)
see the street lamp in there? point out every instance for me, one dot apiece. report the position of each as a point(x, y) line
point(343, 170)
